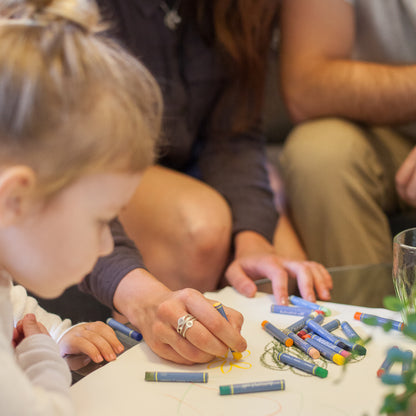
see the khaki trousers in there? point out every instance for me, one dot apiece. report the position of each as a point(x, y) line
point(339, 180)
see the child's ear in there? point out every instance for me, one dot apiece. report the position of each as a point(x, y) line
point(17, 184)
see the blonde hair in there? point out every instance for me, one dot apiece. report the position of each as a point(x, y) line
point(72, 101)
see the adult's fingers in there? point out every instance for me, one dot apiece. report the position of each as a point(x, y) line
point(239, 280)
point(213, 321)
point(210, 332)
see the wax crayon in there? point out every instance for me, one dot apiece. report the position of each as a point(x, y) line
point(327, 352)
point(298, 325)
point(319, 319)
point(332, 325)
point(302, 365)
point(124, 329)
point(330, 345)
point(277, 333)
point(188, 377)
point(293, 310)
point(254, 387)
point(386, 364)
point(350, 333)
point(296, 300)
point(398, 326)
point(218, 306)
point(344, 344)
point(303, 345)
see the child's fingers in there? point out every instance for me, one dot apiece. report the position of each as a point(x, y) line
point(107, 333)
point(31, 326)
point(95, 346)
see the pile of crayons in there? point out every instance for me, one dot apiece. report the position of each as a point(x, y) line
point(310, 336)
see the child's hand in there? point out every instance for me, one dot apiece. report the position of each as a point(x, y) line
point(95, 339)
point(26, 327)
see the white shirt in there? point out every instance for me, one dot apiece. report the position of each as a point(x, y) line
point(34, 378)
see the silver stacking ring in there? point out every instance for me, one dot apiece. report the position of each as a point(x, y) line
point(184, 323)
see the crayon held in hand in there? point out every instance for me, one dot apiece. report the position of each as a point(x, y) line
point(218, 306)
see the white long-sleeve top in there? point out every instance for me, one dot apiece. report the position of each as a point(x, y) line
point(34, 378)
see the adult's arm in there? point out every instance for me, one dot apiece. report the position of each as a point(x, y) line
point(320, 79)
point(108, 272)
point(235, 166)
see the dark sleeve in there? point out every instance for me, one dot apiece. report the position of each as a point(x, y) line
point(235, 165)
point(102, 282)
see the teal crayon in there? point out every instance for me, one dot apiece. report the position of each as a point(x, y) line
point(259, 386)
point(218, 306)
point(182, 377)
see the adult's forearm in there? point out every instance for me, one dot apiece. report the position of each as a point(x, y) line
point(367, 92)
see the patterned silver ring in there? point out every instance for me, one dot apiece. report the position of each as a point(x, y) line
point(184, 323)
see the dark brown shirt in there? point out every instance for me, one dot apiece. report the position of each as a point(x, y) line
point(193, 81)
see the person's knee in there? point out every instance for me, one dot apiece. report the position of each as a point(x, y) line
point(322, 151)
point(207, 238)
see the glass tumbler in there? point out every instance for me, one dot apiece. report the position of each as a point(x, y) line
point(404, 270)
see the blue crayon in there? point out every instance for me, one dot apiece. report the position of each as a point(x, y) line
point(318, 319)
point(124, 329)
point(298, 325)
point(398, 326)
point(255, 387)
point(386, 364)
point(349, 332)
point(305, 366)
point(340, 342)
point(218, 306)
point(330, 345)
point(277, 333)
point(303, 345)
point(332, 325)
point(296, 300)
point(292, 310)
point(326, 352)
point(176, 377)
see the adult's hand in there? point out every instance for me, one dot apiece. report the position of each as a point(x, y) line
point(155, 310)
point(256, 258)
point(406, 179)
